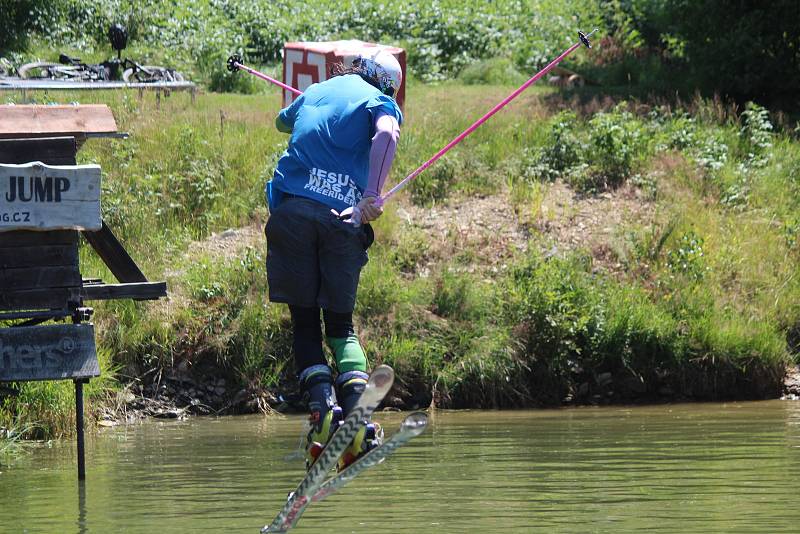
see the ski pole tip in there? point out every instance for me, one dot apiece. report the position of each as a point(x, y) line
point(234, 62)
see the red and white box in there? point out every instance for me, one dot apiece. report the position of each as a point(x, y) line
point(305, 63)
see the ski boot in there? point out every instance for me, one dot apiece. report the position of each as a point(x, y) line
point(369, 437)
point(351, 385)
point(320, 434)
point(326, 415)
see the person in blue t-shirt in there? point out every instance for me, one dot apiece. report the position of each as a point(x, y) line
point(325, 191)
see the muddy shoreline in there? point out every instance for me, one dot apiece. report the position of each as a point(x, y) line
point(178, 395)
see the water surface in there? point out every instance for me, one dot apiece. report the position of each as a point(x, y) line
point(680, 468)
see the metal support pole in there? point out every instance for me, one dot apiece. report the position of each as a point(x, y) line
point(79, 428)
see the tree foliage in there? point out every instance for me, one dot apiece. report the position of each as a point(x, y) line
point(748, 50)
point(18, 18)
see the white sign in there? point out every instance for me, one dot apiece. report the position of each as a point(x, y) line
point(35, 196)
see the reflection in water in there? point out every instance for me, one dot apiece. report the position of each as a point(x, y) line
point(685, 468)
point(81, 506)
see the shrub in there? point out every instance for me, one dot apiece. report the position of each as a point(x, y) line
point(755, 136)
point(495, 71)
point(556, 308)
point(757, 58)
point(682, 132)
point(412, 248)
point(616, 145)
point(562, 151)
point(712, 154)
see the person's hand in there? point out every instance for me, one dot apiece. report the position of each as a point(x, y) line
point(368, 209)
point(371, 208)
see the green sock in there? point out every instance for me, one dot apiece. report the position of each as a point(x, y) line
point(349, 354)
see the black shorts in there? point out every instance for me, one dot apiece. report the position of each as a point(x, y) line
point(313, 258)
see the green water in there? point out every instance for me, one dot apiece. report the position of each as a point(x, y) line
point(684, 468)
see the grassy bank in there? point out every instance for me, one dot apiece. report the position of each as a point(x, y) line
point(695, 295)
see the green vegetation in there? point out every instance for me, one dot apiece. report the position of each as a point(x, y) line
point(661, 46)
point(700, 299)
point(441, 36)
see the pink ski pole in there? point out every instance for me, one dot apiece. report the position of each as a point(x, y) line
point(584, 39)
point(235, 63)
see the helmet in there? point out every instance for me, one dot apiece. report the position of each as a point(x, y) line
point(385, 68)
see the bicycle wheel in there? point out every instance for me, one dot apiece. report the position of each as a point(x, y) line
point(151, 73)
point(52, 71)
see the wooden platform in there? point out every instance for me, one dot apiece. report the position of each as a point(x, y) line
point(39, 272)
point(45, 201)
point(58, 121)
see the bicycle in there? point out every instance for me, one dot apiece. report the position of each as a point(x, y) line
point(116, 69)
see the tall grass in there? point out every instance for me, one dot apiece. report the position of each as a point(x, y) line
point(11, 442)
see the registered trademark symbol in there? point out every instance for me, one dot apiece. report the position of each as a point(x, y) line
point(67, 344)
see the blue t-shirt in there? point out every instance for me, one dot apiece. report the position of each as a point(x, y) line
point(327, 159)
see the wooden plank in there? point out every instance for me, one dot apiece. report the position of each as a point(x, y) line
point(139, 291)
point(50, 150)
point(39, 277)
point(111, 251)
point(50, 121)
point(35, 196)
point(28, 238)
point(39, 299)
point(44, 256)
point(51, 352)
